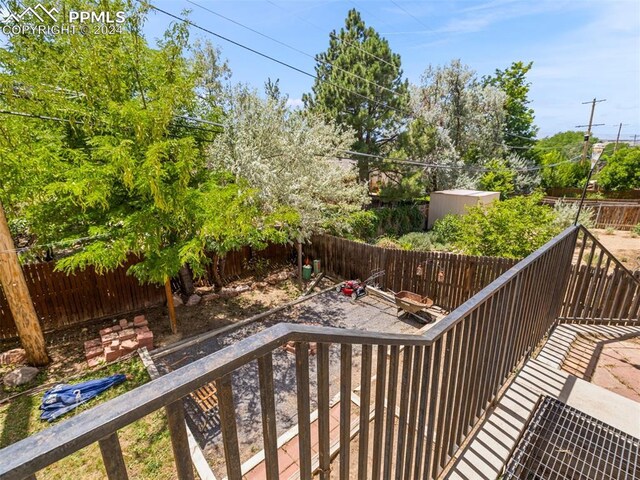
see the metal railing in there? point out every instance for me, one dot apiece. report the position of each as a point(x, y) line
point(600, 289)
point(442, 383)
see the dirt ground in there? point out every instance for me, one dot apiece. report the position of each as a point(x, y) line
point(66, 347)
point(624, 245)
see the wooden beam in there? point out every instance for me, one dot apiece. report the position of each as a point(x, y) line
point(17, 293)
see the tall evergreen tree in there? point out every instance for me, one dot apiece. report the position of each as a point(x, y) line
point(359, 84)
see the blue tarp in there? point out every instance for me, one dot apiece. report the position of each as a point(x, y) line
point(63, 397)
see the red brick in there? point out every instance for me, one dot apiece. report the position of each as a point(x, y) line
point(116, 328)
point(96, 342)
point(115, 345)
point(139, 330)
point(139, 320)
point(93, 352)
point(106, 331)
point(148, 335)
point(124, 323)
point(110, 337)
point(126, 334)
point(129, 346)
point(94, 362)
point(110, 354)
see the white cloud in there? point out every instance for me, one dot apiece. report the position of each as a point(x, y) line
point(295, 103)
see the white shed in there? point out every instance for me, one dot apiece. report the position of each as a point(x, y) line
point(456, 201)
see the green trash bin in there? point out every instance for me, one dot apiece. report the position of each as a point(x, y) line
point(306, 272)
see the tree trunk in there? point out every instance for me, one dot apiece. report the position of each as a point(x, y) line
point(19, 299)
point(363, 171)
point(300, 264)
point(217, 279)
point(170, 306)
point(186, 279)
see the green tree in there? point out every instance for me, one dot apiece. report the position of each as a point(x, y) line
point(457, 122)
point(622, 170)
point(288, 157)
point(519, 127)
point(560, 154)
point(359, 85)
point(127, 172)
point(499, 178)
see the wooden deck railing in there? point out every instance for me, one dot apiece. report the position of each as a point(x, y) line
point(447, 380)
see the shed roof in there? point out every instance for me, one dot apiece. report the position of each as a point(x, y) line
point(466, 193)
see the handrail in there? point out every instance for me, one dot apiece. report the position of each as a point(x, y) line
point(515, 303)
point(54, 443)
point(467, 307)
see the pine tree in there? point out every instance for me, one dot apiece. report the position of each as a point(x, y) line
point(359, 85)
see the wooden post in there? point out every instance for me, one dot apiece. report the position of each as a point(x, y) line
point(170, 306)
point(19, 299)
point(300, 264)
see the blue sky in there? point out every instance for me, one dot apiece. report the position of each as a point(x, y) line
point(581, 49)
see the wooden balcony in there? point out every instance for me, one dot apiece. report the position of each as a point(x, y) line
point(441, 383)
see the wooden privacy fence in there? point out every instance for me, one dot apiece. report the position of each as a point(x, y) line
point(63, 300)
point(449, 279)
point(620, 214)
point(600, 289)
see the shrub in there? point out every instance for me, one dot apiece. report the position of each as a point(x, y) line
point(387, 242)
point(363, 224)
point(420, 241)
point(399, 220)
point(622, 171)
point(446, 230)
point(511, 228)
point(636, 229)
point(565, 215)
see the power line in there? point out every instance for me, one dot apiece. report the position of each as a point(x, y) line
point(291, 47)
point(354, 43)
point(264, 55)
point(456, 167)
point(411, 15)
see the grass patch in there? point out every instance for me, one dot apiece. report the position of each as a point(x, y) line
point(146, 444)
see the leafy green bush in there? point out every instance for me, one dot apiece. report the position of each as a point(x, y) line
point(622, 171)
point(636, 229)
point(420, 241)
point(399, 220)
point(446, 230)
point(511, 228)
point(363, 224)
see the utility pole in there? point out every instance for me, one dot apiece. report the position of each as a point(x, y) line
point(585, 149)
point(17, 295)
point(587, 136)
point(615, 147)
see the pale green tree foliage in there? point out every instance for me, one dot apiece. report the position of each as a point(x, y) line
point(458, 122)
point(125, 169)
point(289, 159)
point(359, 85)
